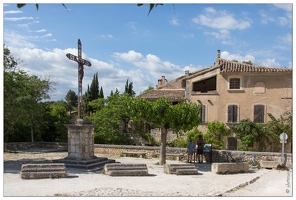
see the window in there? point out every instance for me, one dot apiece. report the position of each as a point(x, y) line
point(232, 116)
point(206, 85)
point(259, 113)
point(234, 83)
point(202, 113)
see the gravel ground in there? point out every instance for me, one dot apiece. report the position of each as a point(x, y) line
point(261, 182)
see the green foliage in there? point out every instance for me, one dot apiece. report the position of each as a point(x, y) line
point(179, 142)
point(91, 94)
point(248, 62)
point(250, 134)
point(283, 124)
point(163, 114)
point(148, 89)
point(22, 96)
point(110, 115)
point(129, 88)
point(193, 134)
point(151, 6)
point(214, 132)
point(71, 100)
point(182, 116)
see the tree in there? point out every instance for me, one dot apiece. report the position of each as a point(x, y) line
point(128, 89)
point(148, 89)
point(163, 114)
point(91, 94)
point(248, 62)
point(71, 100)
point(22, 95)
point(110, 117)
point(101, 95)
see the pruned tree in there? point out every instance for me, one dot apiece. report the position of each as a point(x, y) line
point(163, 114)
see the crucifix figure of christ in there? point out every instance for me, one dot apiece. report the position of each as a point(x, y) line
point(81, 62)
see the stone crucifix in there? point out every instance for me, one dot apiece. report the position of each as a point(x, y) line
point(81, 62)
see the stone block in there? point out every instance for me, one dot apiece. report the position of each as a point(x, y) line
point(269, 164)
point(230, 168)
point(118, 169)
point(180, 169)
point(39, 171)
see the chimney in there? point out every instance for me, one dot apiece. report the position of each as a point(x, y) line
point(162, 81)
point(218, 52)
point(186, 73)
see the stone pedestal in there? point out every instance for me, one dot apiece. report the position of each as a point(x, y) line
point(80, 140)
point(81, 147)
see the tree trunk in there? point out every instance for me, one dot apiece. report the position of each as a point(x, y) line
point(32, 134)
point(162, 155)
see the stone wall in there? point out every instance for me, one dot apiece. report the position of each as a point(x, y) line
point(217, 155)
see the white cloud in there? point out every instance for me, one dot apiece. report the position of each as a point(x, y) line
point(226, 55)
point(13, 39)
point(41, 30)
point(265, 17)
point(12, 12)
point(106, 36)
point(17, 18)
point(286, 38)
point(146, 71)
point(174, 22)
point(271, 63)
point(221, 20)
point(191, 35)
point(283, 21)
point(221, 35)
point(285, 6)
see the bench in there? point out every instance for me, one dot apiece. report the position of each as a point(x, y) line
point(118, 169)
point(178, 156)
point(127, 153)
point(38, 171)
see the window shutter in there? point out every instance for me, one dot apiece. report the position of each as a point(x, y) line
point(203, 113)
point(230, 114)
point(259, 114)
point(234, 119)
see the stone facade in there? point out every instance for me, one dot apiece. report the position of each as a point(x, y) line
point(229, 86)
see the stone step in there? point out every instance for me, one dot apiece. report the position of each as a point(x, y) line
point(118, 166)
point(89, 165)
point(118, 169)
point(44, 174)
point(130, 172)
point(172, 168)
point(43, 167)
point(187, 171)
point(45, 170)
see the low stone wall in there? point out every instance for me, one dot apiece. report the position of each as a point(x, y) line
point(217, 155)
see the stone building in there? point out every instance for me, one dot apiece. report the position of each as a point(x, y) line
point(231, 91)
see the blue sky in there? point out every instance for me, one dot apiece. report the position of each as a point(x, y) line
point(123, 42)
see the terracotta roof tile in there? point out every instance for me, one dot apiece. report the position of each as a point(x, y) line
point(227, 66)
point(170, 94)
